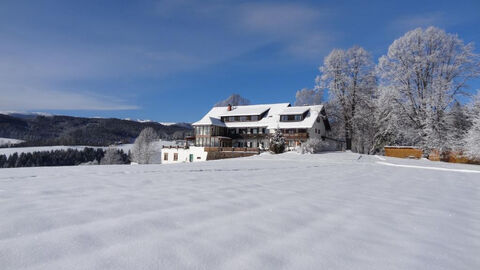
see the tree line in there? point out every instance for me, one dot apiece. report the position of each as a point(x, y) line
point(68, 157)
point(416, 95)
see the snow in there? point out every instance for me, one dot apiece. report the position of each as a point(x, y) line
point(209, 121)
point(295, 110)
point(309, 120)
point(288, 211)
point(270, 121)
point(8, 141)
point(246, 110)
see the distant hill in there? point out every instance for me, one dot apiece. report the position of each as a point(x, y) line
point(40, 130)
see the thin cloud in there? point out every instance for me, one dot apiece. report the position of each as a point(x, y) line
point(297, 27)
point(28, 99)
point(410, 22)
point(278, 19)
point(47, 59)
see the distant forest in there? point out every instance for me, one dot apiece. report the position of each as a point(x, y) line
point(67, 157)
point(67, 130)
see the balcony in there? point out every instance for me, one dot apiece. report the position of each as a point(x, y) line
point(295, 136)
point(233, 149)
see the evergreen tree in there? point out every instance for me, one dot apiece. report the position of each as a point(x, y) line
point(277, 142)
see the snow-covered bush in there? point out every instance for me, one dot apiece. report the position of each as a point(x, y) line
point(277, 142)
point(144, 147)
point(314, 145)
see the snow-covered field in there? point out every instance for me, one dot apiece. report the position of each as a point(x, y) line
point(290, 211)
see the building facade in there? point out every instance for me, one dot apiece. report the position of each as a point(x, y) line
point(251, 125)
point(246, 130)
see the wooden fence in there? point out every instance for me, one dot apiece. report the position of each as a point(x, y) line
point(434, 155)
point(403, 152)
point(451, 156)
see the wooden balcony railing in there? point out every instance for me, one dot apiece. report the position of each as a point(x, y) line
point(175, 146)
point(295, 135)
point(232, 149)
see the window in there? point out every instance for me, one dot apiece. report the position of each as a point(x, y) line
point(175, 156)
point(165, 156)
point(298, 118)
point(254, 130)
point(284, 118)
point(254, 117)
point(243, 118)
point(231, 119)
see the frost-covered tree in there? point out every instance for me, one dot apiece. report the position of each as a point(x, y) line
point(459, 123)
point(472, 137)
point(428, 69)
point(350, 79)
point(308, 97)
point(277, 142)
point(144, 147)
point(112, 156)
point(386, 120)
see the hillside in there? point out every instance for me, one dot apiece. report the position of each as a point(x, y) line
point(67, 130)
point(289, 211)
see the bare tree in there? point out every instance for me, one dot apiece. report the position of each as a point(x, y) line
point(350, 79)
point(234, 100)
point(144, 148)
point(308, 97)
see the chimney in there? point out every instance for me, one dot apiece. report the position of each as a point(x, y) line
point(229, 107)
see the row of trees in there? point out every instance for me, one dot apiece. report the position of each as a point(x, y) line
point(410, 97)
point(67, 157)
point(143, 151)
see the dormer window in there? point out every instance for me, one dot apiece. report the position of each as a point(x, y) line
point(291, 118)
point(231, 118)
point(254, 117)
point(243, 118)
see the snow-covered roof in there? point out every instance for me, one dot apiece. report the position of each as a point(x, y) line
point(270, 121)
point(209, 121)
point(309, 119)
point(295, 110)
point(247, 110)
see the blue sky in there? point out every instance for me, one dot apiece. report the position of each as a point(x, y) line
point(172, 60)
